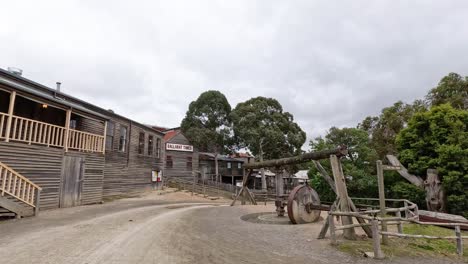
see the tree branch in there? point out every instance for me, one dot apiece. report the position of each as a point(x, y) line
point(416, 180)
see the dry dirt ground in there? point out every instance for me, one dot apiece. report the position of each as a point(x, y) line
point(169, 228)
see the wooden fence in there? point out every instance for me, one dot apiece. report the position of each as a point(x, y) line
point(18, 186)
point(406, 213)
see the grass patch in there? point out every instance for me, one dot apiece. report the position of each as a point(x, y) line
point(412, 247)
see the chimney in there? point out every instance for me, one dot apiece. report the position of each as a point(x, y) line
point(58, 86)
point(15, 71)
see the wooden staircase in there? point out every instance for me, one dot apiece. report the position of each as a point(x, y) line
point(18, 195)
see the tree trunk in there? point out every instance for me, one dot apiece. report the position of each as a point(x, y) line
point(435, 195)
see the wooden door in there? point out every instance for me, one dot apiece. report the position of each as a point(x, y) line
point(72, 178)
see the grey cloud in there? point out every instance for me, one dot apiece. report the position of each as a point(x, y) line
point(330, 63)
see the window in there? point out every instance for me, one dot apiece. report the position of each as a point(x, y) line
point(158, 148)
point(168, 161)
point(73, 123)
point(110, 136)
point(123, 139)
point(141, 143)
point(150, 145)
point(229, 165)
point(189, 163)
point(239, 165)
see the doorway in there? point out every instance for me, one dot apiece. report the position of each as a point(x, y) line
point(72, 179)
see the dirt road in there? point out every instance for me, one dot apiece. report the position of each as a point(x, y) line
point(174, 228)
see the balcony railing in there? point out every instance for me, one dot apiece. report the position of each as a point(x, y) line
point(35, 132)
point(84, 141)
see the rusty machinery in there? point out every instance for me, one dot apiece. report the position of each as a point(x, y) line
point(303, 202)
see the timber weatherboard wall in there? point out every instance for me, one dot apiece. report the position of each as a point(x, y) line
point(129, 171)
point(43, 166)
point(180, 159)
point(103, 174)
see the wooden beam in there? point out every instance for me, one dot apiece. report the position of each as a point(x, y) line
point(331, 183)
point(324, 154)
point(459, 241)
point(380, 181)
point(342, 193)
point(11, 107)
point(416, 180)
point(244, 185)
point(105, 137)
point(67, 129)
point(325, 175)
point(378, 254)
point(391, 168)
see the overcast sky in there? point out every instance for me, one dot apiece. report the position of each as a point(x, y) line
point(329, 63)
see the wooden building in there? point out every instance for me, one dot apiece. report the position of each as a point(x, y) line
point(229, 169)
point(68, 150)
point(181, 158)
point(134, 154)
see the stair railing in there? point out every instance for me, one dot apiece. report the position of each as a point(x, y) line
point(18, 186)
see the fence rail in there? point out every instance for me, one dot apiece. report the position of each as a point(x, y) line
point(410, 215)
point(18, 186)
point(196, 187)
point(36, 132)
point(84, 141)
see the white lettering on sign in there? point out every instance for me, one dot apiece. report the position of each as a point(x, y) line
point(179, 147)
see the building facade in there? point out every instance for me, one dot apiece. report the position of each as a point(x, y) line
point(181, 158)
point(74, 152)
point(229, 169)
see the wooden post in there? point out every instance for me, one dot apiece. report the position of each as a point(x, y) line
point(11, 107)
point(279, 193)
point(407, 214)
point(193, 185)
point(67, 129)
point(332, 185)
point(342, 193)
point(37, 203)
point(380, 179)
point(326, 224)
point(105, 137)
point(459, 241)
point(399, 226)
point(378, 254)
point(331, 224)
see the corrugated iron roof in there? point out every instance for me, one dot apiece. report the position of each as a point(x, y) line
point(170, 134)
point(211, 156)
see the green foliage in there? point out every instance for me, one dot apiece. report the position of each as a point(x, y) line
point(357, 141)
point(358, 165)
point(321, 186)
point(452, 89)
point(405, 190)
point(384, 128)
point(439, 139)
point(261, 125)
point(207, 123)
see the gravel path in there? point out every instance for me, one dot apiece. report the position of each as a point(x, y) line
point(171, 228)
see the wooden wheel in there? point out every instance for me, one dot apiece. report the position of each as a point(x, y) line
point(299, 205)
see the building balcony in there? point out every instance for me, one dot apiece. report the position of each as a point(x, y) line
point(27, 121)
point(30, 131)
